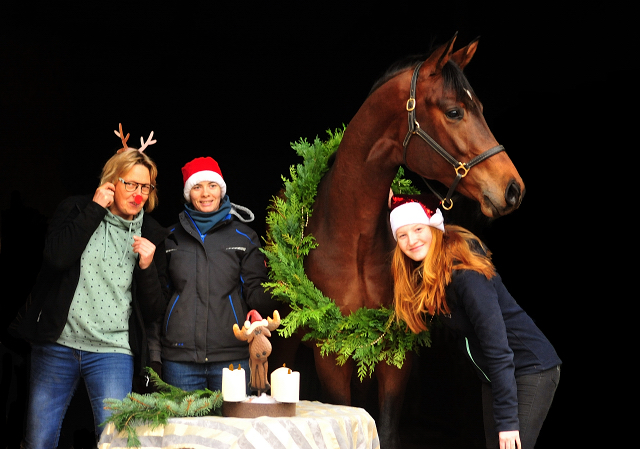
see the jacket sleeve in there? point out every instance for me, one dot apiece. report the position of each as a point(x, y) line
point(70, 230)
point(151, 285)
point(480, 300)
point(153, 338)
point(254, 273)
point(155, 298)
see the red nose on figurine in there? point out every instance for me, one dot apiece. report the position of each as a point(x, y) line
point(138, 199)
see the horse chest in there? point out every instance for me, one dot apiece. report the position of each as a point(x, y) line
point(354, 276)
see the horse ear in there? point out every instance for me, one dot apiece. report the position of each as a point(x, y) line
point(464, 55)
point(440, 56)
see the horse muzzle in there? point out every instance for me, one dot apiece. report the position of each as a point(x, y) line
point(513, 196)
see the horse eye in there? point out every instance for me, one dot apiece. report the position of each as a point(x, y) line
point(455, 114)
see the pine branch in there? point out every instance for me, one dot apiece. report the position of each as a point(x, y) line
point(155, 409)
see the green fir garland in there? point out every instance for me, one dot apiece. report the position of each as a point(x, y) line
point(155, 409)
point(369, 336)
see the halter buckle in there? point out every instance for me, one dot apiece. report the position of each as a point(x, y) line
point(411, 104)
point(461, 170)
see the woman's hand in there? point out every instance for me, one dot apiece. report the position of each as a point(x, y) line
point(145, 249)
point(104, 194)
point(510, 439)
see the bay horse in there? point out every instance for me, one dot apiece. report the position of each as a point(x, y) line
point(431, 100)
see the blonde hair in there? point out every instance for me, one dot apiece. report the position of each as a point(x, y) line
point(121, 163)
point(420, 290)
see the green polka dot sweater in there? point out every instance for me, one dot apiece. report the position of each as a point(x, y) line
point(101, 306)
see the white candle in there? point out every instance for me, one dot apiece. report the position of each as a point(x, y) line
point(285, 385)
point(233, 384)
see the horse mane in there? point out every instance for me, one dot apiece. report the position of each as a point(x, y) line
point(453, 77)
point(397, 67)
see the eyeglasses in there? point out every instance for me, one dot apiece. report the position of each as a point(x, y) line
point(133, 186)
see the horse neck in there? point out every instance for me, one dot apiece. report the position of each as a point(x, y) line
point(368, 157)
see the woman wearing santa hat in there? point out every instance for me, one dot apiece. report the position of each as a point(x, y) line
point(447, 271)
point(100, 286)
point(216, 271)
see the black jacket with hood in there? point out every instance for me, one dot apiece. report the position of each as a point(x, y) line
point(44, 315)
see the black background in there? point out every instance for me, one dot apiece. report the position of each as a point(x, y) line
point(239, 83)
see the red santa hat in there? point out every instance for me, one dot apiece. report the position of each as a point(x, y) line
point(202, 169)
point(411, 209)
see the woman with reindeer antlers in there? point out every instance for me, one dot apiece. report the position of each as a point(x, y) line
point(447, 271)
point(216, 271)
point(100, 285)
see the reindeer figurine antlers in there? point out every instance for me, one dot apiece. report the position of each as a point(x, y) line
point(123, 138)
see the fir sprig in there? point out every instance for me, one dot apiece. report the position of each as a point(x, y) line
point(368, 336)
point(155, 409)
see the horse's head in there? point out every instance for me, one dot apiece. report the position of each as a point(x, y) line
point(446, 109)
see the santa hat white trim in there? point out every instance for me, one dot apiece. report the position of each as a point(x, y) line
point(204, 175)
point(249, 327)
point(411, 213)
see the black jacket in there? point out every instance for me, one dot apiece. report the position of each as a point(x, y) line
point(44, 315)
point(215, 281)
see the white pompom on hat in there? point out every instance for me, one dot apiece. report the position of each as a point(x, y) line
point(411, 209)
point(202, 169)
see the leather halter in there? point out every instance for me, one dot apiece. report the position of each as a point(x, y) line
point(461, 168)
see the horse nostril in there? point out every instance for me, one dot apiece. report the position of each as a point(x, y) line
point(513, 194)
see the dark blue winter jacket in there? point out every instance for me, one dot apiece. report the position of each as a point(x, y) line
point(498, 337)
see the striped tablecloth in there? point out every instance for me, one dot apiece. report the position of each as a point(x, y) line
point(315, 426)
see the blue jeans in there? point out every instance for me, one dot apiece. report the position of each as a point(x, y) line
point(535, 394)
point(198, 376)
point(55, 372)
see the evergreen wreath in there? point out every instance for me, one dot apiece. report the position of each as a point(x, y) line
point(154, 409)
point(368, 336)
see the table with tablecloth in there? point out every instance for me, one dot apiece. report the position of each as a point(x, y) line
point(315, 426)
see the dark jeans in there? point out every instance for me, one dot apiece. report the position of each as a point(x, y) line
point(198, 376)
point(535, 394)
point(55, 373)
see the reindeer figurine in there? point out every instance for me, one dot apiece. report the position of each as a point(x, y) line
point(255, 331)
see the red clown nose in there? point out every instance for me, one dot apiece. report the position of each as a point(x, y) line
point(138, 199)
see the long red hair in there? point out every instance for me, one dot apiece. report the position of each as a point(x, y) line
point(419, 289)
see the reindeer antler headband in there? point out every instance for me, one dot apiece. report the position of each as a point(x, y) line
point(143, 144)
